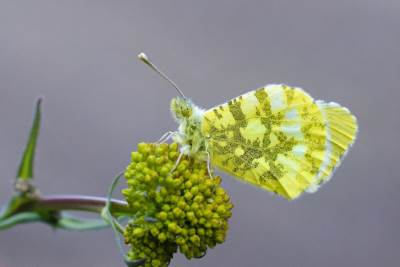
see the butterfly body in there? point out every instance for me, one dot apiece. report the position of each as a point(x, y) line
point(189, 135)
point(276, 137)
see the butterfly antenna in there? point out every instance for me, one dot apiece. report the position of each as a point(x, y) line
point(146, 60)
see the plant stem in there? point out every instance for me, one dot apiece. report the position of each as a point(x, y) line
point(77, 203)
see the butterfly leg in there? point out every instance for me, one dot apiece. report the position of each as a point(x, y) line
point(182, 152)
point(209, 165)
point(176, 163)
point(165, 137)
point(208, 162)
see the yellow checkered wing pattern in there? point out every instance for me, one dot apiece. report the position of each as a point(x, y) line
point(278, 138)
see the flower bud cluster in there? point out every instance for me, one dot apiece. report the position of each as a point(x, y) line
point(177, 205)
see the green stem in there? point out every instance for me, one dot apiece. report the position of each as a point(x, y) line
point(52, 209)
point(79, 203)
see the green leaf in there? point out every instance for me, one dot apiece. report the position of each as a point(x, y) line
point(70, 222)
point(23, 217)
point(25, 170)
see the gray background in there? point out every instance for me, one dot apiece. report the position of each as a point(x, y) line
point(100, 101)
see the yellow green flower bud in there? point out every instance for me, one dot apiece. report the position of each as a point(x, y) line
point(177, 212)
point(188, 195)
point(195, 239)
point(154, 231)
point(138, 232)
point(200, 231)
point(162, 215)
point(162, 237)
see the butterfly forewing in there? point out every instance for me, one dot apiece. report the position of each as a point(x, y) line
point(278, 138)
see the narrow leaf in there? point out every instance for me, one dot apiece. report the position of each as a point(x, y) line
point(74, 223)
point(25, 170)
point(24, 217)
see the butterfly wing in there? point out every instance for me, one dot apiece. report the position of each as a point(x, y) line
point(279, 139)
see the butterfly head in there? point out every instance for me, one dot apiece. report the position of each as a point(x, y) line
point(182, 108)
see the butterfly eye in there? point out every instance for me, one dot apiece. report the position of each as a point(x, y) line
point(186, 111)
point(181, 108)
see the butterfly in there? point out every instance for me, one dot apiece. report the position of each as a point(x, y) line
point(276, 137)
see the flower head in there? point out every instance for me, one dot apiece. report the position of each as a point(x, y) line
point(177, 205)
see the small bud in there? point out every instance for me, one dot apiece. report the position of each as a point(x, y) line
point(188, 196)
point(166, 207)
point(138, 232)
point(154, 231)
point(195, 239)
point(198, 198)
point(162, 237)
point(177, 212)
point(162, 216)
point(156, 263)
point(164, 171)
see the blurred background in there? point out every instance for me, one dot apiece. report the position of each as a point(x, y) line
point(100, 101)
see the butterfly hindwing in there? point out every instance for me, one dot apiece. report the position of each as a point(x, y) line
point(277, 138)
point(341, 129)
